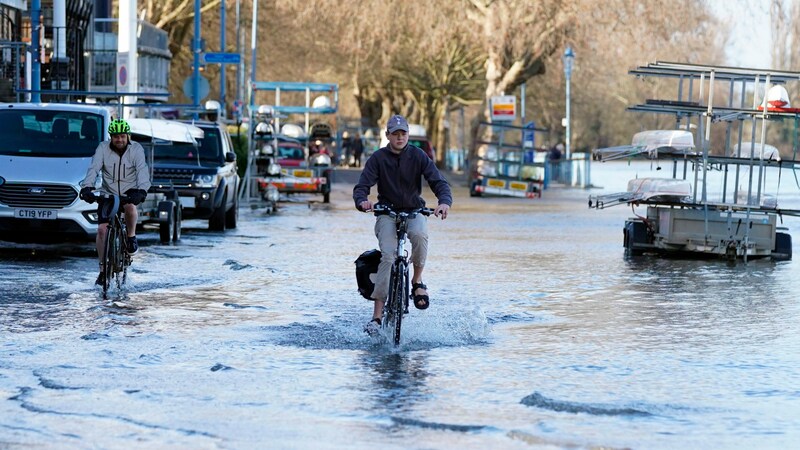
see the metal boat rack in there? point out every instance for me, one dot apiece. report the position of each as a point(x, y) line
point(743, 222)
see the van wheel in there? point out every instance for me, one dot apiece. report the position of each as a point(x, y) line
point(217, 220)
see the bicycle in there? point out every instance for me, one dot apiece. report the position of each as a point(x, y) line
point(399, 293)
point(115, 259)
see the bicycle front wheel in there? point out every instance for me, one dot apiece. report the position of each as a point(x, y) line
point(109, 258)
point(123, 257)
point(398, 306)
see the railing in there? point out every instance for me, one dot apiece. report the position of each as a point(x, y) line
point(12, 71)
point(575, 171)
point(153, 63)
point(66, 77)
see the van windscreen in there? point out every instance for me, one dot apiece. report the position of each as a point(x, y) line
point(59, 134)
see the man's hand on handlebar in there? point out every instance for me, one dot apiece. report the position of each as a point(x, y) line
point(87, 195)
point(136, 196)
point(441, 211)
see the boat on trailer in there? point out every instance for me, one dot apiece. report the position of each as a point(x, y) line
point(729, 213)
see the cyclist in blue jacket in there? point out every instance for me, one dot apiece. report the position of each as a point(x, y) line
point(123, 168)
point(398, 170)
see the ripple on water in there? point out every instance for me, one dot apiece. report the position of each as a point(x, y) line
point(538, 400)
point(438, 425)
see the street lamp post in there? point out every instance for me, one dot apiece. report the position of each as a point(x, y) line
point(196, 55)
point(568, 58)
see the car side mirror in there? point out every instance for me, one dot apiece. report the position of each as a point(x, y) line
point(230, 157)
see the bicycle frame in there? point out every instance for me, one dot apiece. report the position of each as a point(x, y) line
point(397, 301)
point(399, 281)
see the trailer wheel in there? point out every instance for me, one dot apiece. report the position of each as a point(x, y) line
point(472, 191)
point(326, 188)
point(166, 228)
point(176, 232)
point(634, 233)
point(783, 247)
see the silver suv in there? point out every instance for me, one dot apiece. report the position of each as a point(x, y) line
point(207, 181)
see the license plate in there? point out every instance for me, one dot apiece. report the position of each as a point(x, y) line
point(187, 202)
point(517, 186)
point(496, 183)
point(303, 173)
point(31, 213)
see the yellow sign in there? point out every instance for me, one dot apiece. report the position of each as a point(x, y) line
point(504, 108)
point(302, 173)
point(493, 182)
point(517, 186)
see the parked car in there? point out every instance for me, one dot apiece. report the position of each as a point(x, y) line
point(290, 154)
point(46, 152)
point(300, 171)
point(206, 178)
point(423, 143)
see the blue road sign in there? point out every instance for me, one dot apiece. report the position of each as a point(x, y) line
point(529, 136)
point(222, 58)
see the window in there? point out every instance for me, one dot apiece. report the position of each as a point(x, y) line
point(49, 133)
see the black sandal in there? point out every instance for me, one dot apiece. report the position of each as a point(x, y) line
point(421, 301)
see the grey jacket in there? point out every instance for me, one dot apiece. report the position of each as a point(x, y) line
point(119, 173)
point(399, 179)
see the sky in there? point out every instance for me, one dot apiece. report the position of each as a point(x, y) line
point(751, 40)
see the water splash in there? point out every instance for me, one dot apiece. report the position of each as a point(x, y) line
point(420, 332)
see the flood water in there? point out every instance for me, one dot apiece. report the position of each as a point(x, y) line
point(541, 335)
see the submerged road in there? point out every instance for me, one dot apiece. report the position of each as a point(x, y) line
point(540, 334)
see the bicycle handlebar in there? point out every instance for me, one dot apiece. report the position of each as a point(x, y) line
point(123, 199)
point(385, 210)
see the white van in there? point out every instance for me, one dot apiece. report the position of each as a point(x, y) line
point(45, 152)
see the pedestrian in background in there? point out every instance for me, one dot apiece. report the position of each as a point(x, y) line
point(346, 149)
point(358, 150)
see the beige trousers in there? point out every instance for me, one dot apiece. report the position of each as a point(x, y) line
point(386, 232)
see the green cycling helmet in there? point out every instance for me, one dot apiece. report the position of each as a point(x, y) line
point(118, 126)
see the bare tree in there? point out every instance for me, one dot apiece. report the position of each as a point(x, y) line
point(517, 38)
point(411, 58)
point(423, 58)
point(611, 38)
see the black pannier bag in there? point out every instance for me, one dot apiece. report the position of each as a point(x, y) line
point(366, 265)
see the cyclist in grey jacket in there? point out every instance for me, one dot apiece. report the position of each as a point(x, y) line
point(123, 168)
point(398, 170)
